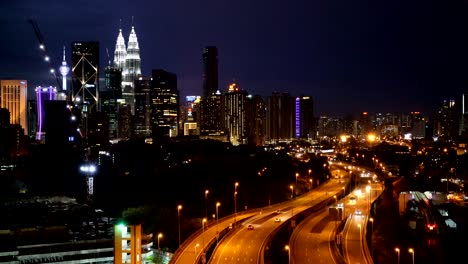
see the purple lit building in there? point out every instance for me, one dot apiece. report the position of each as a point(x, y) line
point(43, 94)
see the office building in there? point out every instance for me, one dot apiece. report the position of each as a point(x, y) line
point(14, 96)
point(235, 104)
point(142, 117)
point(43, 94)
point(255, 115)
point(164, 104)
point(280, 117)
point(210, 71)
point(132, 67)
point(305, 120)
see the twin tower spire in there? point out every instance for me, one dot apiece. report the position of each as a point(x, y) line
point(128, 58)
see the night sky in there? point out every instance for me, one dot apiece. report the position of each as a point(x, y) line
point(350, 55)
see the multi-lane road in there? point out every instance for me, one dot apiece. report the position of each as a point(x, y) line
point(246, 245)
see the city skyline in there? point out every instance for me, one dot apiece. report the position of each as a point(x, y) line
point(384, 57)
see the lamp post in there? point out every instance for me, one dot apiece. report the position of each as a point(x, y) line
point(368, 188)
point(297, 175)
point(397, 250)
point(289, 253)
point(206, 203)
point(203, 233)
point(410, 250)
point(310, 185)
point(235, 198)
point(178, 219)
point(292, 191)
point(159, 237)
point(360, 236)
point(372, 246)
point(372, 223)
point(217, 205)
point(197, 245)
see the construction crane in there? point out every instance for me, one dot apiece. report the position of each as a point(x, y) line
point(43, 48)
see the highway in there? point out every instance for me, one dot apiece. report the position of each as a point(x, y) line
point(246, 246)
point(192, 248)
point(354, 248)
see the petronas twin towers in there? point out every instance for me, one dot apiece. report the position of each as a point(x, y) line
point(128, 60)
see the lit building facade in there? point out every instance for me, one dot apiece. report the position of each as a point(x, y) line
point(212, 117)
point(132, 69)
point(14, 97)
point(235, 101)
point(142, 117)
point(280, 118)
point(305, 120)
point(43, 94)
point(189, 115)
point(255, 115)
point(164, 104)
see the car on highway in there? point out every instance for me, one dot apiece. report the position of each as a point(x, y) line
point(250, 227)
point(278, 211)
point(277, 220)
point(352, 200)
point(358, 212)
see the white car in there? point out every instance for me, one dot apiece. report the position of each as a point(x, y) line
point(358, 212)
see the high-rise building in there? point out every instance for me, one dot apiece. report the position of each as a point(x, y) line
point(305, 121)
point(256, 113)
point(445, 120)
point(112, 98)
point(32, 117)
point(14, 96)
point(210, 71)
point(235, 103)
point(131, 70)
point(211, 116)
point(189, 115)
point(142, 117)
point(164, 104)
point(120, 52)
point(280, 117)
point(43, 94)
point(85, 75)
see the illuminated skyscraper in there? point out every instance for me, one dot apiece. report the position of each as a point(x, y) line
point(85, 73)
point(132, 69)
point(164, 104)
point(14, 96)
point(235, 101)
point(210, 71)
point(142, 118)
point(85, 81)
point(43, 94)
point(120, 52)
point(64, 70)
point(280, 117)
point(305, 121)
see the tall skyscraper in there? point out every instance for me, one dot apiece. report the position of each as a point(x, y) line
point(120, 52)
point(142, 117)
point(85, 75)
point(280, 117)
point(112, 98)
point(305, 121)
point(211, 116)
point(256, 114)
point(235, 101)
point(164, 104)
point(14, 96)
point(43, 94)
point(210, 71)
point(132, 69)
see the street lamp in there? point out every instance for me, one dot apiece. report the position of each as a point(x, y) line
point(397, 250)
point(292, 191)
point(197, 245)
point(360, 235)
point(159, 237)
point(217, 205)
point(310, 186)
point(368, 188)
point(372, 223)
point(372, 246)
point(206, 203)
point(235, 198)
point(203, 233)
point(178, 219)
point(410, 250)
point(297, 175)
point(289, 253)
